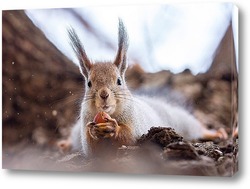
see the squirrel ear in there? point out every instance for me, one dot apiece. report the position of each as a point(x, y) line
point(77, 46)
point(121, 56)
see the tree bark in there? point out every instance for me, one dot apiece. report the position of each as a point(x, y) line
point(41, 87)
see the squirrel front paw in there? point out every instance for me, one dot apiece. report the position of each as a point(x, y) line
point(108, 129)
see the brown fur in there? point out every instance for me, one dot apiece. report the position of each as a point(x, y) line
point(106, 146)
point(106, 90)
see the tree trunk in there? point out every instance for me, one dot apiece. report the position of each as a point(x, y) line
point(41, 87)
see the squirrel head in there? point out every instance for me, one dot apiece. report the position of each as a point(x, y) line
point(105, 85)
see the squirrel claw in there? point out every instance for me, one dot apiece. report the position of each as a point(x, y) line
point(103, 130)
point(112, 121)
point(115, 125)
point(91, 132)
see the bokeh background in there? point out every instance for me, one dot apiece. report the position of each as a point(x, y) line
point(158, 34)
point(185, 51)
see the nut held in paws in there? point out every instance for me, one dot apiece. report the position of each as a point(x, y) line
point(101, 117)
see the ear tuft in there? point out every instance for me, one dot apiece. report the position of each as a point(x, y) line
point(77, 46)
point(121, 56)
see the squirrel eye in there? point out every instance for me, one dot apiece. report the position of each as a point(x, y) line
point(119, 82)
point(89, 84)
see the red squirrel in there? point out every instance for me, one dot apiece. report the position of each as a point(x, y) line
point(130, 116)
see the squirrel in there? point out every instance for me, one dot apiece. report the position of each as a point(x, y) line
point(131, 116)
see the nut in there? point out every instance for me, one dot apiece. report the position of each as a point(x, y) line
point(101, 117)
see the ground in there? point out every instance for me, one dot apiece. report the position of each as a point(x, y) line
point(160, 151)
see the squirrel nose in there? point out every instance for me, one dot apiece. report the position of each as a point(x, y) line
point(104, 95)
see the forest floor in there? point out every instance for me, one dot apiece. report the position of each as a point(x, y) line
point(160, 151)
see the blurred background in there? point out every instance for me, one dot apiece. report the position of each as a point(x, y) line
point(187, 51)
point(172, 36)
